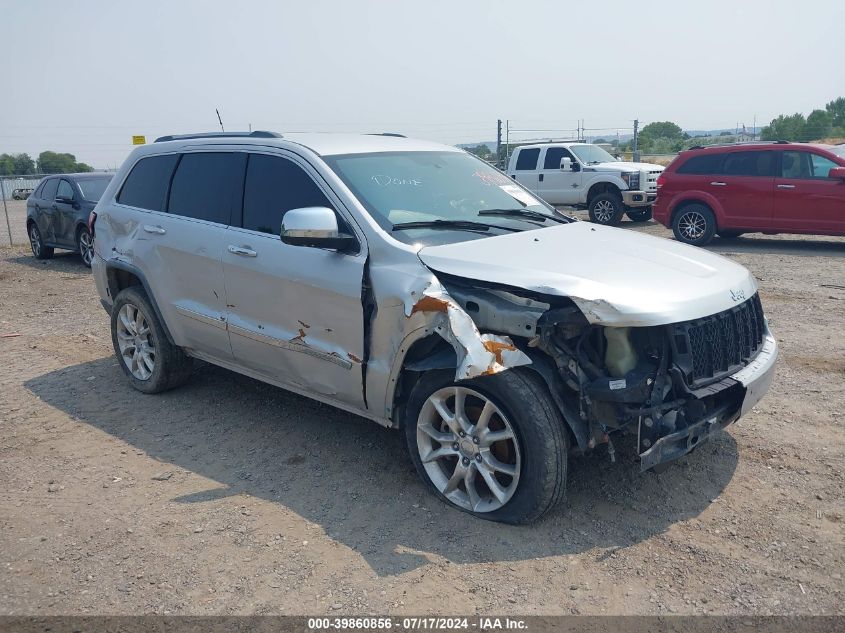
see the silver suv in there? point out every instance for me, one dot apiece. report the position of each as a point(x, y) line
point(415, 285)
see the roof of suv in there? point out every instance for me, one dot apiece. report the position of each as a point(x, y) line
point(751, 146)
point(323, 144)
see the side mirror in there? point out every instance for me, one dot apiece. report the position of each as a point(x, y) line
point(837, 172)
point(565, 164)
point(316, 227)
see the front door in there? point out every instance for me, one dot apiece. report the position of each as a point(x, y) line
point(806, 199)
point(558, 186)
point(63, 225)
point(295, 313)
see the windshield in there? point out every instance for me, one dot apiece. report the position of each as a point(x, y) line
point(591, 154)
point(839, 150)
point(453, 188)
point(93, 188)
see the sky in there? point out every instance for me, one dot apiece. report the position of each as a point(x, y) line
point(84, 76)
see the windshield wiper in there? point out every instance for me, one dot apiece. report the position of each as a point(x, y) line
point(465, 225)
point(522, 213)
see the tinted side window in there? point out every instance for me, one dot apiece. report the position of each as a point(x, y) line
point(147, 183)
point(527, 159)
point(274, 186)
point(65, 190)
point(40, 190)
point(49, 192)
point(553, 157)
point(748, 164)
point(204, 186)
point(702, 164)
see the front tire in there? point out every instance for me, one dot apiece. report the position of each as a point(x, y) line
point(694, 224)
point(606, 208)
point(639, 215)
point(36, 243)
point(494, 446)
point(152, 363)
point(85, 246)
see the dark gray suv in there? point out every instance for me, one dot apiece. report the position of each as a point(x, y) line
point(57, 213)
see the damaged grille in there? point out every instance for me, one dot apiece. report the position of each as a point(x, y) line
point(711, 347)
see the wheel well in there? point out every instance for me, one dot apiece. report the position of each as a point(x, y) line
point(600, 188)
point(121, 279)
point(683, 205)
point(432, 347)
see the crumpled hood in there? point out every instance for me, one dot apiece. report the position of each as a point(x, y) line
point(615, 276)
point(623, 166)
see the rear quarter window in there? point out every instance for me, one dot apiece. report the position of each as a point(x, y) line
point(701, 164)
point(146, 185)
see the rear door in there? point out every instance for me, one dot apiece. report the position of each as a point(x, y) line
point(744, 189)
point(296, 314)
point(557, 186)
point(806, 199)
point(45, 210)
point(526, 170)
point(178, 240)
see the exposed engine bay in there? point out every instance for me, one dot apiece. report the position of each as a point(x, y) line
point(669, 385)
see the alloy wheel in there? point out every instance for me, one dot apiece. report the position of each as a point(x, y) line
point(86, 247)
point(692, 225)
point(135, 341)
point(35, 240)
point(468, 449)
point(604, 211)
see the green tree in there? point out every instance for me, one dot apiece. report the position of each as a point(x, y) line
point(53, 163)
point(668, 133)
point(819, 125)
point(482, 151)
point(785, 128)
point(836, 110)
point(16, 164)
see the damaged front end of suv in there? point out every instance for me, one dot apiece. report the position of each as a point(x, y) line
point(612, 367)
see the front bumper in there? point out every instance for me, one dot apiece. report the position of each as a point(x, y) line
point(756, 377)
point(638, 198)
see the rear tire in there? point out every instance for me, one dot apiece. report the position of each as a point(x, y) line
point(36, 243)
point(694, 224)
point(639, 215)
point(527, 466)
point(150, 361)
point(606, 208)
point(85, 245)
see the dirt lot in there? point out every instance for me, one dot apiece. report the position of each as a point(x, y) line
point(229, 496)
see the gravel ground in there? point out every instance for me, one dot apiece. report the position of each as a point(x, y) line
point(228, 496)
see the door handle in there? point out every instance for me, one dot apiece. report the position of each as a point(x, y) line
point(786, 186)
point(541, 177)
point(242, 251)
point(716, 183)
point(154, 229)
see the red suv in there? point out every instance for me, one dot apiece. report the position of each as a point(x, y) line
point(770, 188)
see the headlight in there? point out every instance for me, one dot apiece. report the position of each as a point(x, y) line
point(632, 179)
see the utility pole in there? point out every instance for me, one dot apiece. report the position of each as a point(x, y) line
point(499, 144)
point(636, 152)
point(507, 140)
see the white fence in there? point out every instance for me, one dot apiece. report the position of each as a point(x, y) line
point(8, 184)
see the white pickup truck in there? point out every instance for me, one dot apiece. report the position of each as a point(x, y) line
point(585, 175)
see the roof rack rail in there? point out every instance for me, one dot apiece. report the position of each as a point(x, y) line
point(396, 134)
point(740, 143)
point(185, 137)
